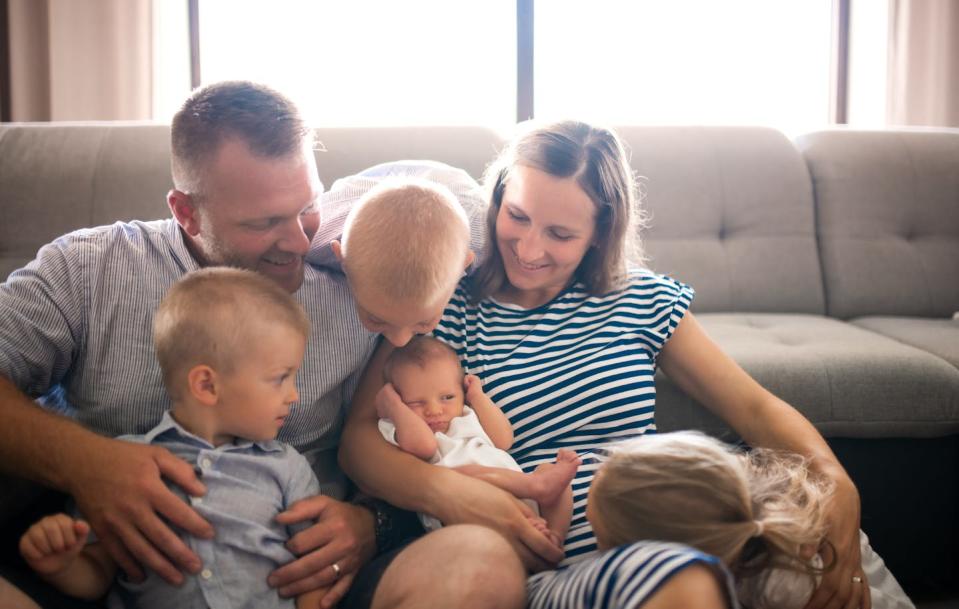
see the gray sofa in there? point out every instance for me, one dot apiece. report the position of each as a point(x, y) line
point(827, 266)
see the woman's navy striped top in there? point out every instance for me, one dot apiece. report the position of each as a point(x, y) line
point(574, 373)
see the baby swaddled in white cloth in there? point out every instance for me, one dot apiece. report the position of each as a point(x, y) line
point(423, 411)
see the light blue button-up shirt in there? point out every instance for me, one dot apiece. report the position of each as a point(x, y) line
point(248, 484)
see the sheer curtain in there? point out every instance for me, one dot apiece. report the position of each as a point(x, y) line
point(923, 63)
point(89, 60)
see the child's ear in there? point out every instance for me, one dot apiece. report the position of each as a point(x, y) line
point(470, 257)
point(202, 382)
point(337, 250)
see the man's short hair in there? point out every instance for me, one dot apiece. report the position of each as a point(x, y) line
point(408, 238)
point(265, 120)
point(215, 315)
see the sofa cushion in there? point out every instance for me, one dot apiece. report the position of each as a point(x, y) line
point(887, 211)
point(937, 336)
point(848, 381)
point(731, 213)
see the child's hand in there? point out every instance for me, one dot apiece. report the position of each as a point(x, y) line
point(386, 400)
point(474, 388)
point(52, 544)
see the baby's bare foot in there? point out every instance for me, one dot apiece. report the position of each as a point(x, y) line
point(549, 480)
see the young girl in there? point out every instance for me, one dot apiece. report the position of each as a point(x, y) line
point(761, 512)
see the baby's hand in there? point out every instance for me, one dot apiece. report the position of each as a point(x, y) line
point(474, 388)
point(52, 544)
point(386, 400)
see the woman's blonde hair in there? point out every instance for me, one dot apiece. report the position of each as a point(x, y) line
point(596, 158)
point(754, 510)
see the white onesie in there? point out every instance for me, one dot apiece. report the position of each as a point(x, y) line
point(464, 443)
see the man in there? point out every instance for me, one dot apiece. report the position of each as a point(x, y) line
point(75, 323)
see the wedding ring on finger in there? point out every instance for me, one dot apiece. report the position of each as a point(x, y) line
point(336, 570)
point(855, 578)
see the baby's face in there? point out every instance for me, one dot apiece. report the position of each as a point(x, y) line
point(434, 393)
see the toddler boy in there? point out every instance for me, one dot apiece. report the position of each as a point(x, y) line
point(229, 344)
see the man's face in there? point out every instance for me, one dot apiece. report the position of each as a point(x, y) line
point(259, 214)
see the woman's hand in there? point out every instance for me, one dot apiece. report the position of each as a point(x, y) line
point(701, 369)
point(838, 589)
point(472, 501)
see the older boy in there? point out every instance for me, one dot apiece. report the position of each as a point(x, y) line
point(390, 234)
point(229, 344)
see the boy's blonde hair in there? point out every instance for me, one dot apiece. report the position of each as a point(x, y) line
point(213, 316)
point(753, 510)
point(420, 351)
point(408, 239)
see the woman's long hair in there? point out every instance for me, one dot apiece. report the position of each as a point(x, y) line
point(596, 159)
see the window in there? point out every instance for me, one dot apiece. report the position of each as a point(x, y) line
point(436, 62)
point(749, 62)
point(370, 62)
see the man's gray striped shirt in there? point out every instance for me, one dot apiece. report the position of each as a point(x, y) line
point(76, 328)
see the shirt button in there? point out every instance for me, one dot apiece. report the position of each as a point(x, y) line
point(206, 463)
point(196, 500)
point(206, 574)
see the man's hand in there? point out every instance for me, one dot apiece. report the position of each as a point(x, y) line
point(342, 536)
point(118, 488)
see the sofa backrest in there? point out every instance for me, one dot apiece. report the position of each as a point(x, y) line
point(346, 151)
point(55, 178)
point(887, 213)
point(731, 213)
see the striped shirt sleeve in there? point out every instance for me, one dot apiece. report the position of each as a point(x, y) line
point(41, 320)
point(625, 577)
point(660, 303)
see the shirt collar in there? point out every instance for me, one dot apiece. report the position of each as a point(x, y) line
point(168, 427)
point(180, 250)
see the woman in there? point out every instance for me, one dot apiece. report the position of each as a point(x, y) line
point(566, 341)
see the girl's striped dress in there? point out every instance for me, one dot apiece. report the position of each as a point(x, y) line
point(622, 578)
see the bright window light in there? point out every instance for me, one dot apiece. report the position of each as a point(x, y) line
point(370, 62)
point(742, 62)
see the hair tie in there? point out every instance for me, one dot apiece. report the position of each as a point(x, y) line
point(759, 528)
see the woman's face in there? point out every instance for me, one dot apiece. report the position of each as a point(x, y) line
point(544, 227)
